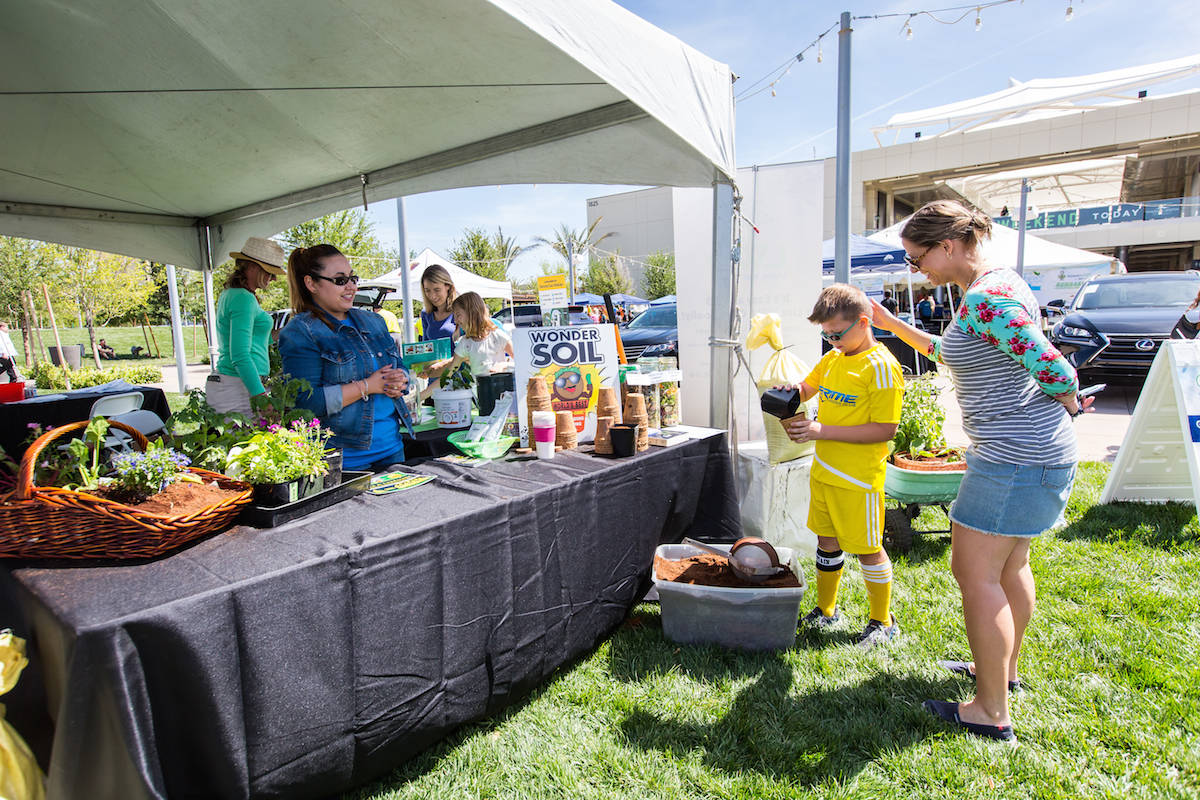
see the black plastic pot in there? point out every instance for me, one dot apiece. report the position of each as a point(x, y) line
point(624, 439)
point(278, 494)
point(490, 388)
point(333, 458)
point(782, 403)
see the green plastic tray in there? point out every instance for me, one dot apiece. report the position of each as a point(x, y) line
point(490, 449)
point(918, 486)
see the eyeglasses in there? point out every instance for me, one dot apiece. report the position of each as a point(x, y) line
point(914, 264)
point(339, 280)
point(834, 338)
point(570, 379)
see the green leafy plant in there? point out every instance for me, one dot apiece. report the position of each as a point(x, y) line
point(919, 434)
point(280, 454)
point(137, 476)
point(204, 434)
point(278, 406)
point(460, 378)
point(82, 455)
point(48, 376)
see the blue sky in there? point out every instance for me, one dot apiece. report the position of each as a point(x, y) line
point(940, 64)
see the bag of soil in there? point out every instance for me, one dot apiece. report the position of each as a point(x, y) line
point(782, 368)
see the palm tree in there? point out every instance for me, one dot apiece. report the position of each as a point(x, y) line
point(579, 241)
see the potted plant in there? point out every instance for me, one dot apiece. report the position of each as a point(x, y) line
point(452, 400)
point(285, 463)
point(919, 443)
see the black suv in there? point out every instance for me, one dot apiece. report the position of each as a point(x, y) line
point(1135, 311)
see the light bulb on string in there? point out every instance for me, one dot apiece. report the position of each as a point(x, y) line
point(908, 31)
point(1070, 12)
point(820, 53)
point(978, 18)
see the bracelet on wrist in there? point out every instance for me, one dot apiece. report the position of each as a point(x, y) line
point(362, 390)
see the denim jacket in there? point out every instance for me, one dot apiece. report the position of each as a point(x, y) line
point(328, 359)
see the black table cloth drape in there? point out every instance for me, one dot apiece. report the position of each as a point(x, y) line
point(15, 418)
point(302, 660)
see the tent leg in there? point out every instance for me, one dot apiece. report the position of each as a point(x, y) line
point(405, 289)
point(722, 311)
point(912, 309)
point(177, 329)
point(210, 309)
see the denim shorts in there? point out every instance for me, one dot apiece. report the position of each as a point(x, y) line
point(1012, 499)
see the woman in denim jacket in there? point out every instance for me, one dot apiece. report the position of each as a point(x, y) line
point(347, 354)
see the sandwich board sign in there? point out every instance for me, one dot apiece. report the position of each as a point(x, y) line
point(1159, 460)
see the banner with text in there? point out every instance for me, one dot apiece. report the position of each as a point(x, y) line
point(575, 361)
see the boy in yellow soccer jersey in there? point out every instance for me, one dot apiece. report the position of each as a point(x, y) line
point(861, 387)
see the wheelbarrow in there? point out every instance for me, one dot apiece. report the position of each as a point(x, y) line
point(911, 489)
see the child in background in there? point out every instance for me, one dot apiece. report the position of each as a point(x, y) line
point(861, 388)
point(485, 345)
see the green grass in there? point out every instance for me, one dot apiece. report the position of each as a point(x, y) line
point(122, 339)
point(1112, 660)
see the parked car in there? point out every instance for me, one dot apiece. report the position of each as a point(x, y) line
point(1135, 311)
point(654, 332)
point(531, 316)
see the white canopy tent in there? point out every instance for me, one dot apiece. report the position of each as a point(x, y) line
point(1054, 271)
point(464, 281)
point(1041, 97)
point(173, 129)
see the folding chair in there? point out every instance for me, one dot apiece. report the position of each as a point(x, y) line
point(119, 407)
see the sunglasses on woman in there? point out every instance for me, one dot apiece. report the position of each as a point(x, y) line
point(834, 338)
point(914, 264)
point(339, 280)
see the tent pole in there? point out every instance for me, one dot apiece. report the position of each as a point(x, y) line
point(722, 311)
point(405, 289)
point(177, 329)
point(913, 310)
point(1021, 232)
point(841, 226)
point(210, 310)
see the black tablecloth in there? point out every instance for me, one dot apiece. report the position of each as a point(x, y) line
point(302, 660)
point(74, 407)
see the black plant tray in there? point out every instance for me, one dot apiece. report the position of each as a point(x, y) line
point(269, 516)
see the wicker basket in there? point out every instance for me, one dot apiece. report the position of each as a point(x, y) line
point(49, 522)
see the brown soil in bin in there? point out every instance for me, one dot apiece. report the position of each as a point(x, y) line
point(710, 570)
point(927, 464)
point(179, 499)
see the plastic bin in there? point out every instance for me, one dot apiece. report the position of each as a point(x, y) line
point(745, 619)
point(492, 448)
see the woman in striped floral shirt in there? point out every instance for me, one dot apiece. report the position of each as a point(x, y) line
point(1018, 396)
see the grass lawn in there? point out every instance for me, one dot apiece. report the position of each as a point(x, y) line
point(1112, 662)
point(122, 339)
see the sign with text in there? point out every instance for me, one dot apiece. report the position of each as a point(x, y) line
point(575, 361)
point(1159, 460)
point(552, 297)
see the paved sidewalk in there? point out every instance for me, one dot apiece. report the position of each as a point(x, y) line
point(196, 375)
point(1100, 433)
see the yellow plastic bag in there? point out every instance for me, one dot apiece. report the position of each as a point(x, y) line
point(781, 368)
point(20, 776)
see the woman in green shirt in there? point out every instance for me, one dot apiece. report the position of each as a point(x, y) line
point(243, 328)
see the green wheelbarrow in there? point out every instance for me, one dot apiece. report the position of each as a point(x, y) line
point(911, 489)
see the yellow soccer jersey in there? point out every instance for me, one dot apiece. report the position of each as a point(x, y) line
point(855, 390)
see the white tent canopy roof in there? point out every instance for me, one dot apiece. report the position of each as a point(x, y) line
point(1092, 182)
point(1041, 94)
point(1001, 250)
point(464, 280)
point(131, 125)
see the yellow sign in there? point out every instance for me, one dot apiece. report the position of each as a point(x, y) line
point(547, 283)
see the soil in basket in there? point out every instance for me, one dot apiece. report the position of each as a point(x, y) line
point(710, 570)
point(930, 463)
point(180, 499)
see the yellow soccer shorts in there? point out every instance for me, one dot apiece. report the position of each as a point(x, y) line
point(854, 516)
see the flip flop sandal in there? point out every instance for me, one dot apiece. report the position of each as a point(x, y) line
point(964, 668)
point(949, 713)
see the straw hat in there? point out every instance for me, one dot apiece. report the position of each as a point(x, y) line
point(264, 252)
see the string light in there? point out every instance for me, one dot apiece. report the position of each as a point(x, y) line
point(908, 28)
point(978, 18)
point(820, 53)
point(1070, 11)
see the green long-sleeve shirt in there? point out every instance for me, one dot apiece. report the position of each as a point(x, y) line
point(243, 335)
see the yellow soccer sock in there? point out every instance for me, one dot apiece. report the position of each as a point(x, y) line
point(829, 574)
point(878, 578)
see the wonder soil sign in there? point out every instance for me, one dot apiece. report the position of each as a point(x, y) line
point(575, 361)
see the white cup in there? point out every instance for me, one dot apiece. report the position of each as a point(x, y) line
point(543, 433)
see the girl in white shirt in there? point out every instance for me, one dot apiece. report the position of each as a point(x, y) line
point(484, 345)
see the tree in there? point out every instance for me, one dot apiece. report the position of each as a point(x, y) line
point(24, 266)
point(489, 256)
point(105, 285)
point(659, 276)
point(606, 276)
point(580, 242)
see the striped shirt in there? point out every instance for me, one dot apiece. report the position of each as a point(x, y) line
point(1005, 373)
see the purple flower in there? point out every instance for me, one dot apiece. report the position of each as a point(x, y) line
point(33, 426)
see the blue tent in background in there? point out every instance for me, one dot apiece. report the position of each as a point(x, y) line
point(628, 299)
point(865, 254)
point(588, 299)
point(662, 301)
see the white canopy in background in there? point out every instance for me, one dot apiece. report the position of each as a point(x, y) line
point(1054, 271)
point(464, 280)
point(131, 126)
point(1043, 97)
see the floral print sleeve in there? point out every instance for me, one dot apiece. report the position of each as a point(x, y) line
point(934, 351)
point(993, 310)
